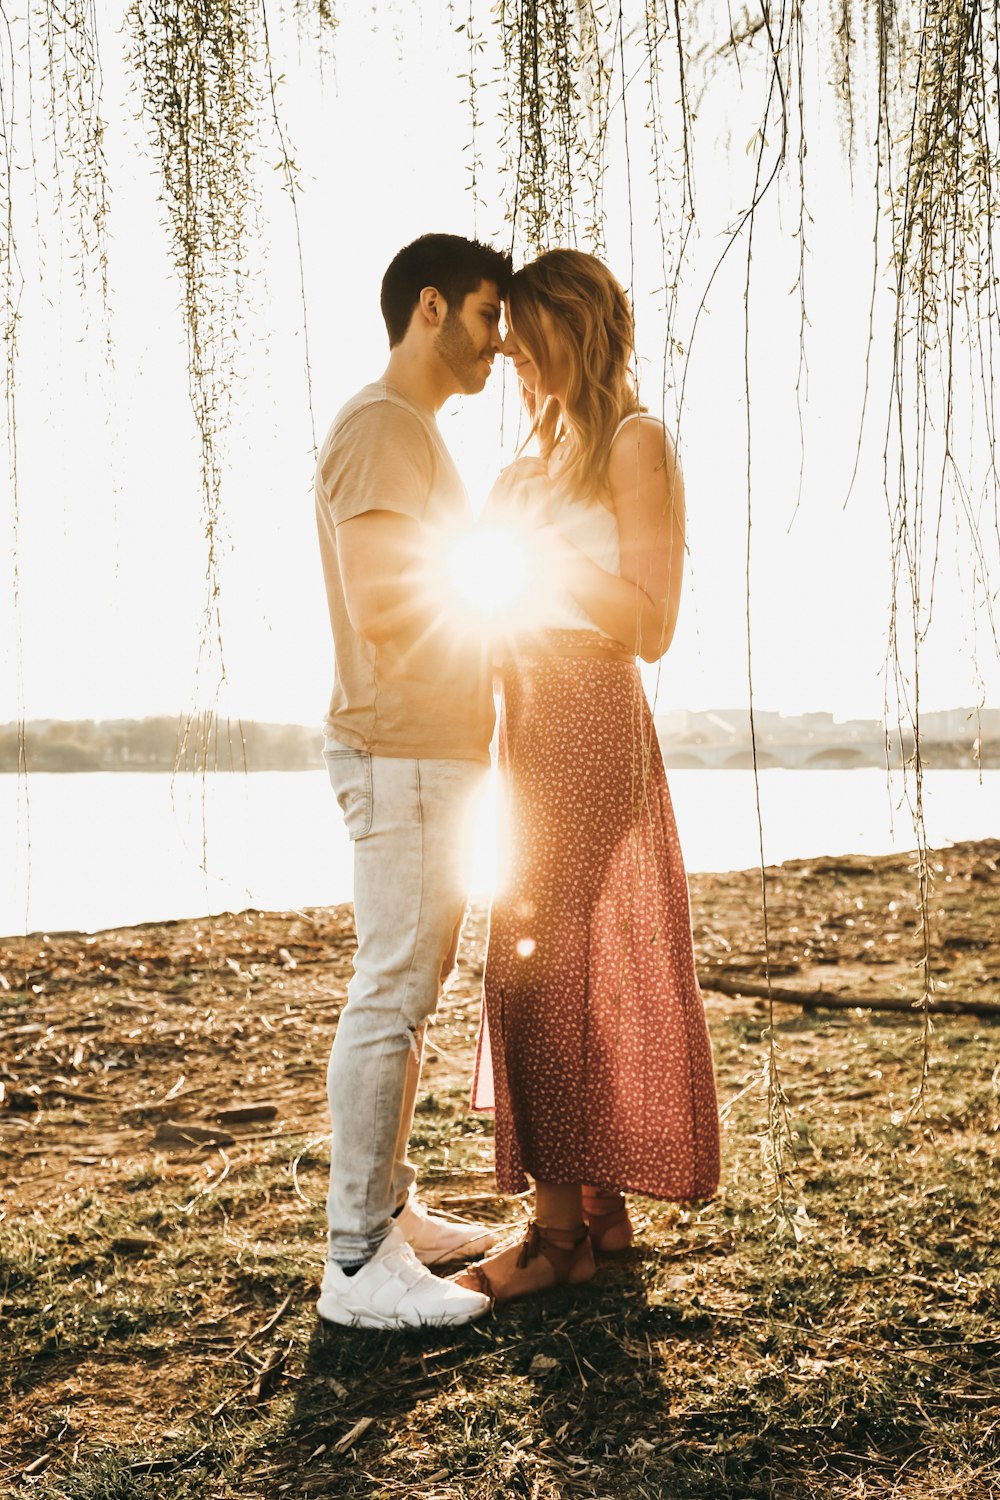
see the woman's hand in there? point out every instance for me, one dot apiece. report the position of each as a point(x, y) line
point(515, 487)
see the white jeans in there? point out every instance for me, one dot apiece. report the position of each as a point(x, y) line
point(410, 822)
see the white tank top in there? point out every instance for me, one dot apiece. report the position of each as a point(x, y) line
point(587, 524)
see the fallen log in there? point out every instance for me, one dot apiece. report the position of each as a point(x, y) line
point(828, 999)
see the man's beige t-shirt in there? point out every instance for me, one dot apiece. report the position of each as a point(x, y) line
point(435, 700)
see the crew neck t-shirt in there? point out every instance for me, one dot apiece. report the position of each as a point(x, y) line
point(433, 700)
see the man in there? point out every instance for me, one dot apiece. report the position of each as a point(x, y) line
point(408, 745)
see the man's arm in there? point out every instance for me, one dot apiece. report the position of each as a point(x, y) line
point(383, 568)
point(373, 483)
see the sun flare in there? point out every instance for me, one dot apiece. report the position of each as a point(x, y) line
point(490, 571)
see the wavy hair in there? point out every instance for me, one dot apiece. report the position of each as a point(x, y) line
point(595, 330)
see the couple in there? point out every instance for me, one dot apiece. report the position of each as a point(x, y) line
point(593, 1049)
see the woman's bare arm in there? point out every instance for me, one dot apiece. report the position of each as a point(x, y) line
point(639, 607)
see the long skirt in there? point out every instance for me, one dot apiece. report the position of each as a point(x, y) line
point(593, 1050)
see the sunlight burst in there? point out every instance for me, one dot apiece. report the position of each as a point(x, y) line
point(490, 571)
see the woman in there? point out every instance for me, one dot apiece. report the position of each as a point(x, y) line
point(594, 1030)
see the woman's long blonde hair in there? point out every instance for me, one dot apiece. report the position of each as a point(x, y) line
point(593, 322)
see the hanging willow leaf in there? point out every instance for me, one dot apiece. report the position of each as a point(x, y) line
point(11, 287)
point(556, 104)
point(76, 169)
point(318, 21)
point(944, 181)
point(199, 64)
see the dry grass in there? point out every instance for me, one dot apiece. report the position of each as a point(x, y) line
point(142, 1355)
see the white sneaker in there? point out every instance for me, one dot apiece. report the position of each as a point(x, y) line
point(437, 1240)
point(393, 1290)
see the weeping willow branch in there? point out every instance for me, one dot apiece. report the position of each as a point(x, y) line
point(657, 32)
point(200, 78)
point(934, 105)
point(555, 118)
point(72, 89)
point(318, 21)
point(782, 32)
point(11, 278)
point(943, 200)
point(474, 145)
point(288, 172)
point(11, 286)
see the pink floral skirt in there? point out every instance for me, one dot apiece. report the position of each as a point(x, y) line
point(593, 1050)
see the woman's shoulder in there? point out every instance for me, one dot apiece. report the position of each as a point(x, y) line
point(640, 437)
point(642, 464)
point(637, 425)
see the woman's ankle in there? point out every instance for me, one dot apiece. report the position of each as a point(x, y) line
point(558, 1206)
point(602, 1201)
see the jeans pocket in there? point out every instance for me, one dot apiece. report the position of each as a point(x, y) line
point(350, 773)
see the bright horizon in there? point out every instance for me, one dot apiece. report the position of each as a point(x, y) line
point(761, 709)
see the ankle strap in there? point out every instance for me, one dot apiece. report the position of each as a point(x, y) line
point(561, 1258)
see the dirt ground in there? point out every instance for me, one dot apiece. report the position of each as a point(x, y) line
point(159, 1255)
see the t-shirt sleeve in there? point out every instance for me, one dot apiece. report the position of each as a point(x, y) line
point(380, 458)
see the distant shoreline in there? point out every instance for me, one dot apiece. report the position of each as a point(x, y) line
point(719, 739)
point(766, 762)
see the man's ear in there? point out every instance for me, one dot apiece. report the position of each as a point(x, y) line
point(432, 306)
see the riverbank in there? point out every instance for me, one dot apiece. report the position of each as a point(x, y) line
point(159, 1253)
point(960, 739)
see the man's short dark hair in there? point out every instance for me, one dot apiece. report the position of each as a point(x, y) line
point(455, 266)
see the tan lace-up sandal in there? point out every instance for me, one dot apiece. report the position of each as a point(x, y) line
point(563, 1260)
point(606, 1216)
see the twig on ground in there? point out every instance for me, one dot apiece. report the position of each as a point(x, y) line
point(259, 1333)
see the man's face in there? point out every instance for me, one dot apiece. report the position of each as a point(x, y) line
point(469, 337)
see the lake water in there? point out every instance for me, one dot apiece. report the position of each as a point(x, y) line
point(100, 850)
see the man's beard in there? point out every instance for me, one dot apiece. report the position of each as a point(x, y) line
point(455, 346)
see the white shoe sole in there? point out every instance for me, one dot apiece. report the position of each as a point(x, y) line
point(346, 1317)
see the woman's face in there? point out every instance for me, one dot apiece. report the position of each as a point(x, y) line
point(554, 381)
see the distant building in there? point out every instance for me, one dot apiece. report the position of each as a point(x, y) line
point(952, 724)
point(720, 737)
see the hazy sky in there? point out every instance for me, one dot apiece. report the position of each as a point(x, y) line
point(111, 548)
